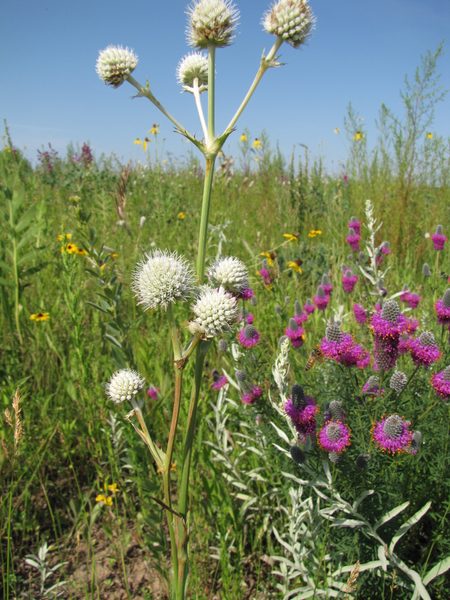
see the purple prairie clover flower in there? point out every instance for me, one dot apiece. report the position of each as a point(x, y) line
point(441, 383)
point(349, 280)
point(438, 238)
point(442, 308)
point(355, 224)
point(345, 351)
point(326, 284)
point(302, 414)
point(372, 387)
point(153, 392)
point(382, 251)
point(392, 434)
point(385, 353)
point(300, 316)
point(424, 350)
point(309, 307)
point(334, 411)
point(249, 318)
point(334, 436)
point(219, 381)
point(295, 333)
point(321, 299)
point(413, 300)
point(253, 395)
point(246, 294)
point(248, 336)
point(389, 322)
point(353, 239)
point(360, 313)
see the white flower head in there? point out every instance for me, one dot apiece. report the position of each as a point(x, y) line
point(290, 20)
point(161, 279)
point(211, 22)
point(230, 273)
point(124, 385)
point(215, 311)
point(192, 66)
point(114, 64)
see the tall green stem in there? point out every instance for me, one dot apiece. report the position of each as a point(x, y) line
point(15, 275)
point(204, 219)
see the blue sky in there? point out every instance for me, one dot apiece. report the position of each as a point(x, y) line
point(359, 53)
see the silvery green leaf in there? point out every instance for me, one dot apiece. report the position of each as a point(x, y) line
point(352, 523)
point(368, 566)
point(408, 524)
point(415, 577)
point(367, 276)
point(441, 567)
point(360, 498)
point(280, 432)
point(391, 514)
point(382, 557)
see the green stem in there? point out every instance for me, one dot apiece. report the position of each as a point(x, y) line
point(266, 63)
point(204, 219)
point(183, 498)
point(211, 91)
point(15, 275)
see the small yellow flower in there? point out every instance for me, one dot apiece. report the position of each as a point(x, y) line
point(314, 233)
point(429, 136)
point(63, 236)
point(173, 467)
point(81, 252)
point(257, 144)
point(295, 265)
point(290, 237)
point(269, 256)
point(181, 215)
point(243, 138)
point(143, 143)
point(40, 316)
point(113, 487)
point(74, 198)
point(337, 131)
point(114, 255)
point(358, 136)
point(71, 249)
point(102, 499)
point(154, 129)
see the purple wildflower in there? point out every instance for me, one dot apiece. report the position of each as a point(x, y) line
point(390, 323)
point(442, 308)
point(249, 318)
point(265, 275)
point(392, 434)
point(353, 239)
point(360, 313)
point(441, 383)
point(355, 224)
point(334, 436)
point(424, 350)
point(439, 238)
point(382, 251)
point(326, 284)
point(246, 294)
point(309, 307)
point(248, 336)
point(372, 387)
point(321, 299)
point(349, 281)
point(295, 333)
point(386, 353)
point(219, 381)
point(153, 392)
point(251, 396)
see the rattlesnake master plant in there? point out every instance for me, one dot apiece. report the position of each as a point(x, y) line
point(164, 278)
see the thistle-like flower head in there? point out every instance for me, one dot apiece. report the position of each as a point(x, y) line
point(161, 279)
point(392, 434)
point(124, 385)
point(290, 20)
point(230, 273)
point(193, 66)
point(211, 22)
point(390, 311)
point(398, 381)
point(215, 311)
point(114, 64)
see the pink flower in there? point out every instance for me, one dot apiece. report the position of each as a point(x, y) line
point(353, 239)
point(424, 350)
point(355, 224)
point(360, 313)
point(153, 392)
point(349, 281)
point(441, 383)
point(334, 436)
point(248, 336)
point(219, 381)
point(321, 299)
point(438, 238)
point(309, 307)
point(392, 434)
point(251, 396)
point(295, 333)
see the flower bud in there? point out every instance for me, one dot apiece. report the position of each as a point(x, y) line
point(290, 20)
point(124, 385)
point(114, 64)
point(215, 311)
point(193, 66)
point(211, 23)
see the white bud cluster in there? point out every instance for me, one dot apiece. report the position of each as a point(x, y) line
point(215, 311)
point(211, 22)
point(114, 64)
point(161, 279)
point(193, 66)
point(124, 385)
point(230, 273)
point(290, 20)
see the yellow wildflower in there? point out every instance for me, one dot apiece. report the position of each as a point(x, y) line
point(269, 256)
point(114, 255)
point(106, 500)
point(40, 316)
point(154, 129)
point(81, 252)
point(243, 138)
point(290, 237)
point(314, 233)
point(70, 249)
point(295, 265)
point(63, 236)
point(429, 136)
point(143, 143)
point(181, 215)
point(358, 136)
point(257, 144)
point(113, 487)
point(173, 467)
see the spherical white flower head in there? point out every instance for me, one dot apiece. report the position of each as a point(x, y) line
point(290, 20)
point(192, 66)
point(211, 22)
point(230, 273)
point(215, 311)
point(161, 279)
point(124, 385)
point(114, 64)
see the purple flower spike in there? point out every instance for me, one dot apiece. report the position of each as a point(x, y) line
point(265, 275)
point(326, 284)
point(304, 412)
point(153, 392)
point(353, 239)
point(248, 336)
point(246, 294)
point(392, 434)
point(441, 383)
point(372, 387)
point(295, 333)
point(439, 238)
point(349, 281)
point(334, 436)
point(360, 313)
point(219, 381)
point(251, 396)
point(309, 307)
point(321, 299)
point(442, 308)
point(249, 318)
point(424, 350)
point(355, 224)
